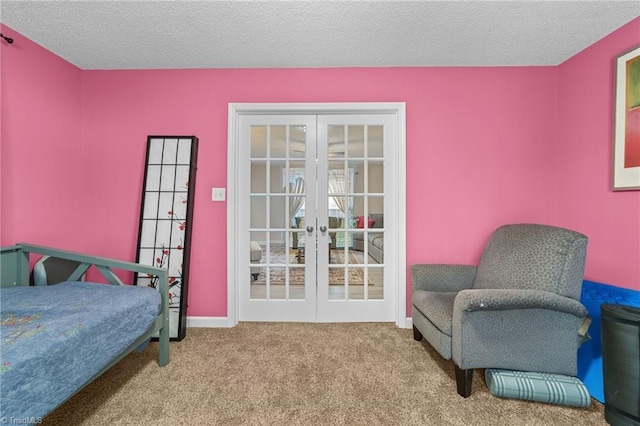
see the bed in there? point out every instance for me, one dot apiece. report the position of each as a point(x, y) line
point(56, 339)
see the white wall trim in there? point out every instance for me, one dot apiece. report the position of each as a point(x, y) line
point(400, 159)
point(208, 322)
point(224, 322)
point(408, 323)
point(232, 207)
point(398, 109)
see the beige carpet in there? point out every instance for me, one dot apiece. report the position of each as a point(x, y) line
point(300, 374)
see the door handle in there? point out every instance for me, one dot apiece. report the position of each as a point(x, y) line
point(309, 229)
point(323, 229)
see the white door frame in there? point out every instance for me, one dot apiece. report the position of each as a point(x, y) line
point(235, 229)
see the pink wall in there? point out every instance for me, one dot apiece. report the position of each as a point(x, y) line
point(485, 146)
point(41, 163)
point(478, 143)
point(585, 123)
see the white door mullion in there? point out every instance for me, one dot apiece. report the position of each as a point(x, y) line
point(323, 215)
point(268, 214)
point(311, 267)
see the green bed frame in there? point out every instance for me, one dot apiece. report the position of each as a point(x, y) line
point(14, 271)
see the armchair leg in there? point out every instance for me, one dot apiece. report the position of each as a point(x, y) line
point(463, 381)
point(416, 334)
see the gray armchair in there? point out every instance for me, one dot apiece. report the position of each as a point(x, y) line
point(518, 309)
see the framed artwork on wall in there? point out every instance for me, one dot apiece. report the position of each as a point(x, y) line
point(626, 144)
point(166, 213)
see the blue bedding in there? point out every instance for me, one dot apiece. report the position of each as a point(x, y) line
point(55, 338)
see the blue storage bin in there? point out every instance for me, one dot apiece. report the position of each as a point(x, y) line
point(590, 353)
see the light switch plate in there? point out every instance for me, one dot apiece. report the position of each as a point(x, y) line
point(218, 194)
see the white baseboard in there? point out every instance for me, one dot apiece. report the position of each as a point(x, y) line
point(208, 322)
point(408, 323)
point(223, 322)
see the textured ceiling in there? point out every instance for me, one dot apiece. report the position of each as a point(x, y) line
point(255, 34)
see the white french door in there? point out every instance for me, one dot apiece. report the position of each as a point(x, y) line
point(279, 284)
point(315, 193)
point(351, 280)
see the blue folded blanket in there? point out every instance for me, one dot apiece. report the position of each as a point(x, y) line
point(541, 387)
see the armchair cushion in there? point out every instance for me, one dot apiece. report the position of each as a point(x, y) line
point(437, 307)
point(530, 256)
